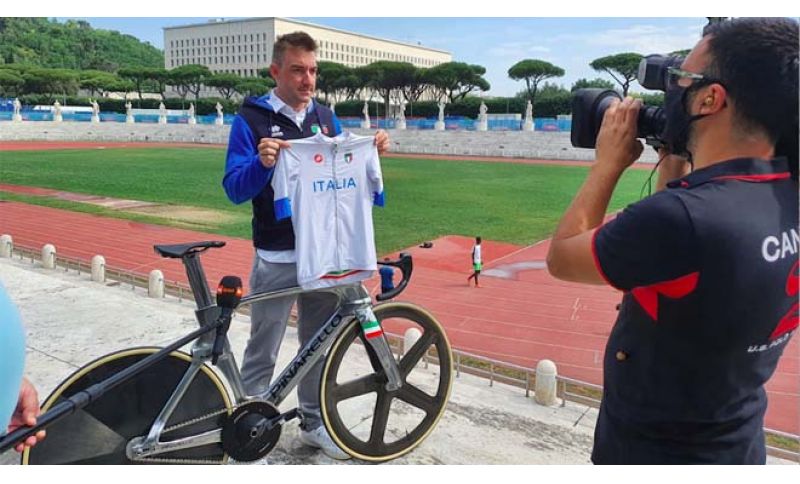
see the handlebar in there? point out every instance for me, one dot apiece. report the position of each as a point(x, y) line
point(406, 266)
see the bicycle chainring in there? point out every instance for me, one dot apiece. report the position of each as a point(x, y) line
point(251, 431)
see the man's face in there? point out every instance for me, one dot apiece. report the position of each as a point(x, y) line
point(296, 77)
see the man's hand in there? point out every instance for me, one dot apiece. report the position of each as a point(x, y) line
point(268, 150)
point(25, 414)
point(617, 146)
point(382, 141)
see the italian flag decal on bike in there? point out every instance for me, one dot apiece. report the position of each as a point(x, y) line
point(371, 329)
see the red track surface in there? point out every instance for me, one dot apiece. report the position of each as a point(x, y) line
point(521, 319)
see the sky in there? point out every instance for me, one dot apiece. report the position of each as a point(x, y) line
point(495, 43)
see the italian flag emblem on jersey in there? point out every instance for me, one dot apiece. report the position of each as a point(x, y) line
point(371, 329)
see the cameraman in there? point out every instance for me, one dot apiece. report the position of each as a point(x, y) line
point(708, 265)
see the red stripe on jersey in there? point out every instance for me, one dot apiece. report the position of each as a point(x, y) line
point(787, 323)
point(647, 296)
point(755, 178)
point(339, 276)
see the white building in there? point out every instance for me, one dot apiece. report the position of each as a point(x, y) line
point(244, 46)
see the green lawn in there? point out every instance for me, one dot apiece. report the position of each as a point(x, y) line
point(425, 198)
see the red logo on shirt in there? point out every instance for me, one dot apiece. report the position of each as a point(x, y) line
point(318, 158)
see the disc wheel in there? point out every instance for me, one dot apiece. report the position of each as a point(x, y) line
point(100, 432)
point(362, 417)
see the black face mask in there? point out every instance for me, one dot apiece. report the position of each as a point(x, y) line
point(677, 129)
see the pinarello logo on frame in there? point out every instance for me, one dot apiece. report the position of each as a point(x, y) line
point(318, 158)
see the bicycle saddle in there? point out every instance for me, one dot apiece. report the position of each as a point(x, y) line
point(178, 251)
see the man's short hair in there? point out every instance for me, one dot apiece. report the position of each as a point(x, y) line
point(299, 40)
point(757, 61)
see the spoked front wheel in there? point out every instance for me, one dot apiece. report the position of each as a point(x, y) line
point(99, 433)
point(363, 418)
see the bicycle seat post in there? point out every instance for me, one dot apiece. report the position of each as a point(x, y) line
point(197, 280)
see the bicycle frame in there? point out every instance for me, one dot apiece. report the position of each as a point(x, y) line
point(353, 302)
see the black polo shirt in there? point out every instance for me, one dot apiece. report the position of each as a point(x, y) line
point(709, 270)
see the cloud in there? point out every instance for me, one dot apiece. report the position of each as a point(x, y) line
point(642, 39)
point(517, 50)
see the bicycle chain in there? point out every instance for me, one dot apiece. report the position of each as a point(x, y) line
point(166, 460)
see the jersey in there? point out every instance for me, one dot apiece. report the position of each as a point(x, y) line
point(328, 187)
point(476, 254)
point(709, 268)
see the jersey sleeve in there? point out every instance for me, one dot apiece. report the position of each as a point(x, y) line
point(284, 182)
point(375, 178)
point(650, 242)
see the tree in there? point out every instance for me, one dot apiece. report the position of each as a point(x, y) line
point(10, 82)
point(389, 77)
point(416, 85)
point(121, 85)
point(136, 76)
point(225, 83)
point(533, 71)
point(330, 78)
point(157, 78)
point(680, 53)
point(72, 44)
point(264, 73)
point(51, 81)
point(189, 78)
point(92, 81)
point(593, 83)
point(254, 86)
point(457, 79)
point(621, 67)
point(355, 83)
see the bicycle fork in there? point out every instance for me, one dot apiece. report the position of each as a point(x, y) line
point(377, 340)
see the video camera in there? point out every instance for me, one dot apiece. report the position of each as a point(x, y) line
point(589, 105)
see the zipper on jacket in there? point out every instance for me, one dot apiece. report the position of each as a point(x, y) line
point(339, 263)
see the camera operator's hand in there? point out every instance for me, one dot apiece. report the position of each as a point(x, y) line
point(617, 146)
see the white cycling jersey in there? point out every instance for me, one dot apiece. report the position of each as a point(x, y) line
point(328, 186)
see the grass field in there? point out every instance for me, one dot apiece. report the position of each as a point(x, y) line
point(507, 202)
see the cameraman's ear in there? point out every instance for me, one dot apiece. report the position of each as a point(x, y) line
point(713, 100)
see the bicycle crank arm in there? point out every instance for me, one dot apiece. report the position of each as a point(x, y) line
point(135, 449)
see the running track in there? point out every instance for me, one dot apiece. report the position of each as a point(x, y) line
point(521, 317)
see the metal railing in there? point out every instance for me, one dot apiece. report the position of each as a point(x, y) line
point(568, 389)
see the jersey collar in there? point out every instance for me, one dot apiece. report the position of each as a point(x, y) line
point(742, 169)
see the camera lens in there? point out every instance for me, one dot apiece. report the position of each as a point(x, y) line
point(651, 122)
point(652, 72)
point(588, 108)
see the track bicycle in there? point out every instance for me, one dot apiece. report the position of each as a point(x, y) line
point(165, 406)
